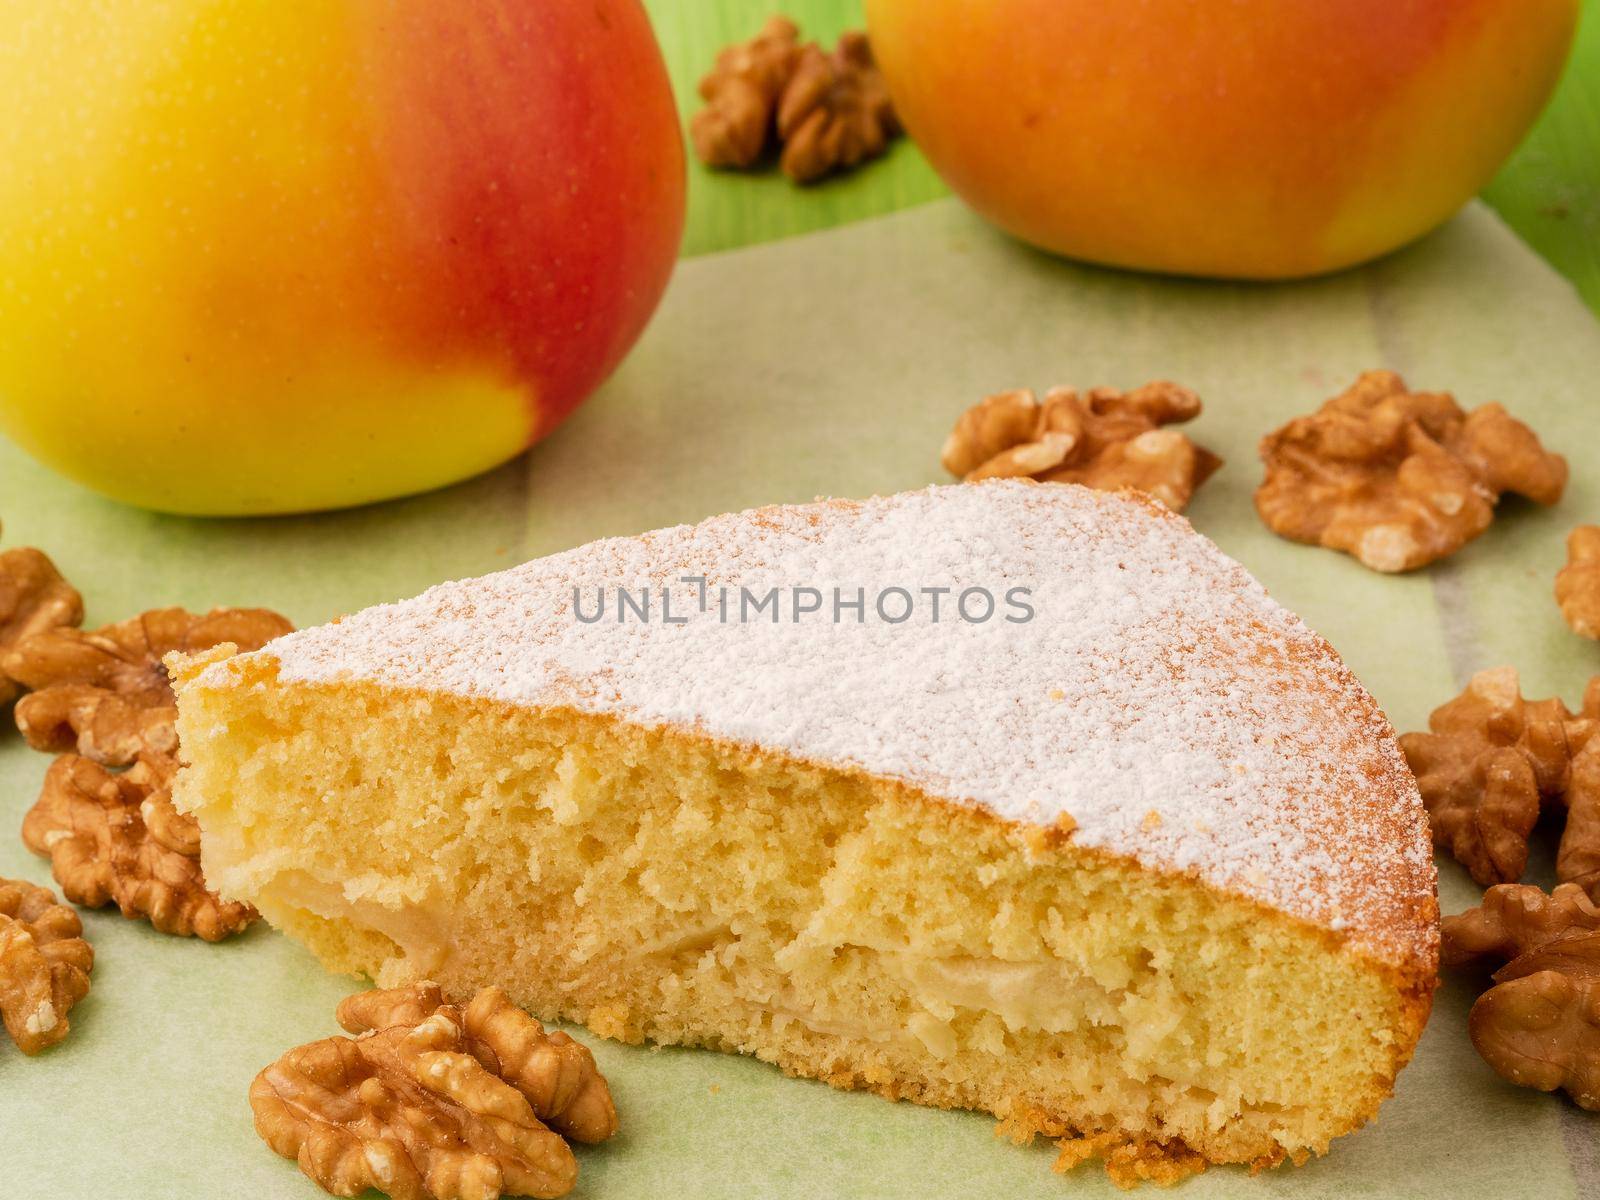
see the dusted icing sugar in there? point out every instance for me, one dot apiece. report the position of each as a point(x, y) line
point(1157, 695)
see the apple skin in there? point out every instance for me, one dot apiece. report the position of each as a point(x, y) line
point(267, 256)
point(1252, 139)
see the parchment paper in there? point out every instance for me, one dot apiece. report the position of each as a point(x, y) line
point(835, 364)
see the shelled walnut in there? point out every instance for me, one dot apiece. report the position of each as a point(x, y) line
point(828, 111)
point(435, 1100)
point(835, 112)
point(1396, 478)
point(44, 965)
point(1101, 438)
point(1539, 1025)
point(1511, 920)
point(741, 94)
point(34, 598)
point(105, 692)
point(1578, 583)
point(116, 838)
point(1492, 761)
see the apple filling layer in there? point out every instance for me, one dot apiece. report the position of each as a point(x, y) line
point(657, 886)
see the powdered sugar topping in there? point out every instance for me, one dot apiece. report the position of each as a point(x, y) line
point(1157, 695)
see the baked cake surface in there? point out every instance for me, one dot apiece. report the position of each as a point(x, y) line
point(1159, 734)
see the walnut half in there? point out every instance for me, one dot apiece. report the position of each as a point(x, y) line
point(828, 111)
point(435, 1101)
point(105, 692)
point(44, 965)
point(33, 599)
point(1512, 919)
point(1101, 438)
point(1578, 583)
point(835, 112)
point(116, 839)
point(1539, 1026)
point(741, 93)
point(1491, 761)
point(1397, 478)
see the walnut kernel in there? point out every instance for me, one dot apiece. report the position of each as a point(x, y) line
point(115, 838)
point(741, 94)
point(1399, 479)
point(105, 692)
point(835, 112)
point(1539, 1026)
point(1102, 438)
point(34, 598)
point(828, 111)
point(1492, 761)
point(1578, 583)
point(44, 965)
point(435, 1100)
point(1511, 920)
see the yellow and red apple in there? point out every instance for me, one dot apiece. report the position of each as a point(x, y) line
point(1253, 138)
point(278, 255)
